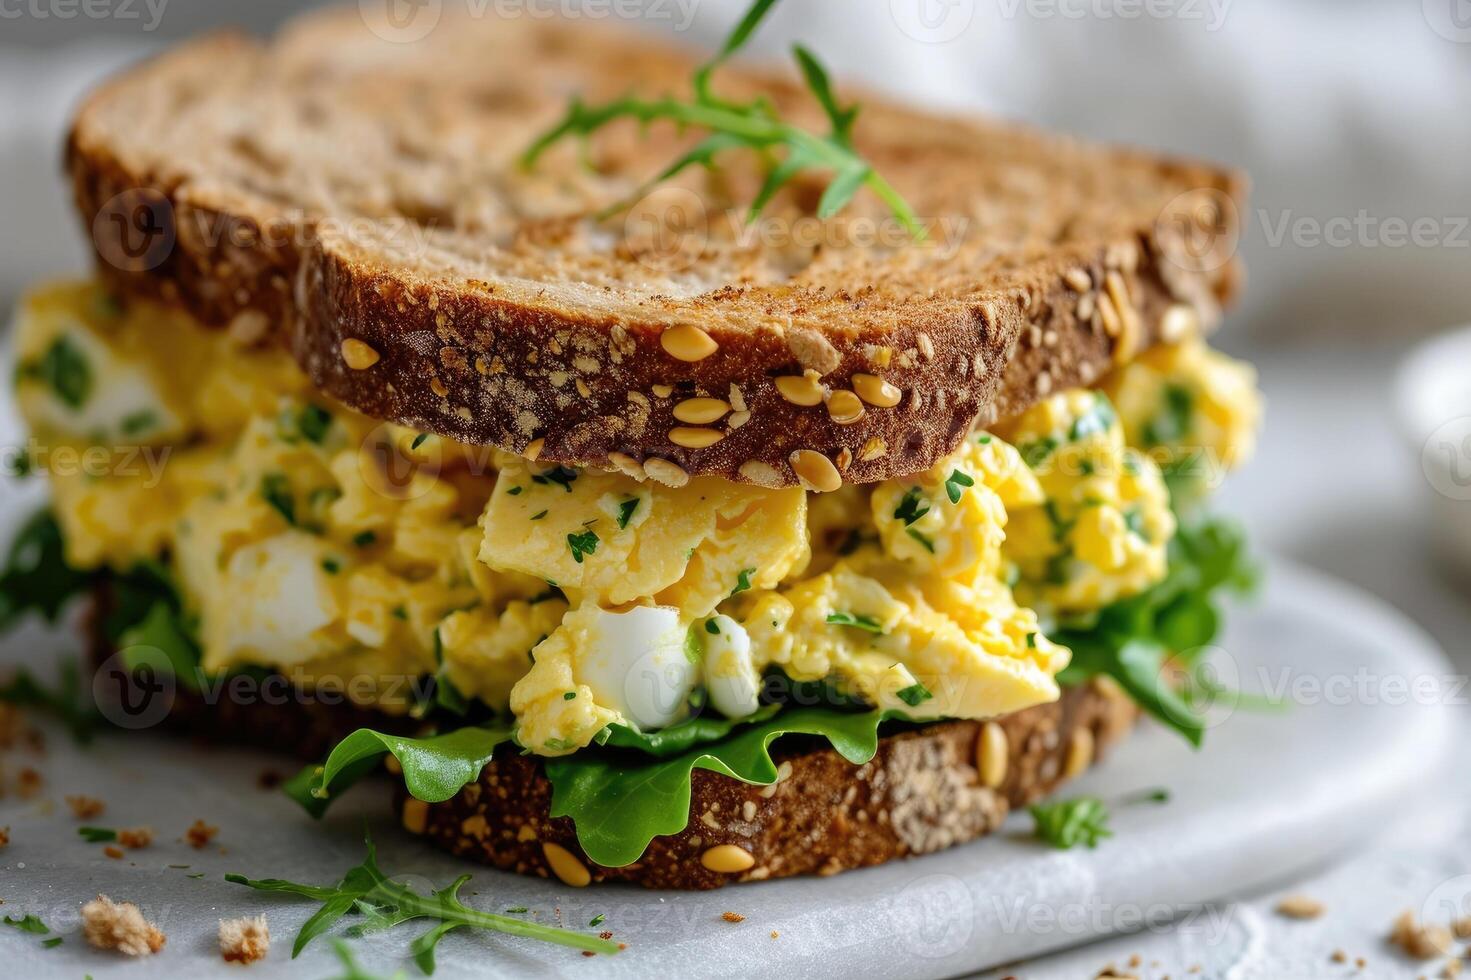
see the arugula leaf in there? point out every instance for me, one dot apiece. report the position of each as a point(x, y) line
point(1133, 641)
point(1068, 823)
point(367, 891)
point(620, 803)
point(355, 972)
point(37, 577)
point(751, 125)
point(668, 742)
point(162, 642)
point(27, 923)
point(434, 768)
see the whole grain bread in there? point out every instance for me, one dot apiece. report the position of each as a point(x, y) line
point(927, 788)
point(362, 197)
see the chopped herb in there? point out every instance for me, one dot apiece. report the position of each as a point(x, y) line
point(1156, 795)
point(331, 566)
point(65, 369)
point(28, 923)
point(518, 910)
point(924, 541)
point(364, 538)
point(562, 476)
point(1068, 823)
point(52, 943)
point(1097, 420)
point(384, 902)
point(538, 515)
point(1031, 641)
point(1174, 420)
point(313, 422)
point(867, 623)
point(399, 612)
point(139, 422)
point(983, 439)
point(419, 440)
point(743, 580)
point(914, 695)
point(582, 543)
point(956, 484)
point(753, 126)
point(911, 506)
point(570, 696)
point(276, 490)
point(712, 627)
point(1034, 454)
point(597, 920)
point(97, 835)
point(514, 491)
point(626, 511)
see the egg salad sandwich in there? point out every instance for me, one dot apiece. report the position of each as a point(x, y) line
point(668, 471)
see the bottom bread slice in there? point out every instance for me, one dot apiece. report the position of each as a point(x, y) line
point(926, 789)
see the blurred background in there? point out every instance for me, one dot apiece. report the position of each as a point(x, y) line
point(1353, 117)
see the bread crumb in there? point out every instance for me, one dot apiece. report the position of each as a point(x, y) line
point(732, 917)
point(1339, 956)
point(200, 834)
point(4, 836)
point(85, 807)
point(1462, 927)
point(1420, 941)
point(116, 853)
point(28, 783)
point(135, 837)
point(1300, 907)
point(774, 934)
point(244, 940)
point(119, 925)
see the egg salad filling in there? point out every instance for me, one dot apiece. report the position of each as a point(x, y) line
point(570, 605)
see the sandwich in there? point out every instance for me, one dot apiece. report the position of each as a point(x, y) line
point(665, 470)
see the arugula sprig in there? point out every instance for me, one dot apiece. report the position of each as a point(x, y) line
point(383, 903)
point(753, 125)
point(1068, 823)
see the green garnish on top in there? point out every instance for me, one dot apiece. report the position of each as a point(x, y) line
point(752, 125)
point(582, 543)
point(956, 484)
point(626, 511)
point(911, 506)
point(65, 370)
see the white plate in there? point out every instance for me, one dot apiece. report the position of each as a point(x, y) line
point(1269, 796)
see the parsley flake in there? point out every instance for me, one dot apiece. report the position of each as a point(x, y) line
point(914, 695)
point(582, 543)
point(866, 623)
point(743, 580)
point(911, 506)
point(562, 476)
point(956, 484)
point(626, 511)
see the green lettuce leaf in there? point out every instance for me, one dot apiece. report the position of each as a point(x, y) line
point(620, 802)
point(1133, 641)
point(435, 768)
point(36, 576)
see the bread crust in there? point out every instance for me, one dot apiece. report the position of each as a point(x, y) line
point(490, 306)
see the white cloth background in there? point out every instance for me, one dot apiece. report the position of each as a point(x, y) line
point(1337, 108)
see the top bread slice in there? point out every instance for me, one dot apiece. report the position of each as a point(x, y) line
point(360, 198)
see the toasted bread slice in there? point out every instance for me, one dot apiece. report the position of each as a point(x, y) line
point(927, 788)
point(366, 195)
